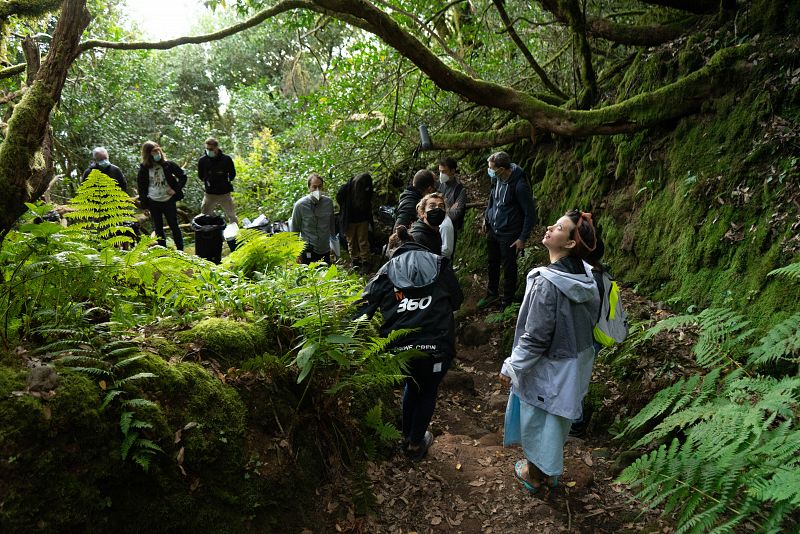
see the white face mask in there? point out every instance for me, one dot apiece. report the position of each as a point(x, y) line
point(443, 178)
point(315, 194)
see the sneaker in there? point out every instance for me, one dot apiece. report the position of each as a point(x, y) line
point(419, 452)
point(487, 301)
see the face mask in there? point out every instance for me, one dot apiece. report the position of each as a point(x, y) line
point(443, 178)
point(104, 163)
point(211, 153)
point(491, 173)
point(315, 194)
point(435, 216)
point(156, 157)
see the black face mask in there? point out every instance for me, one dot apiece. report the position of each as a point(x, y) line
point(435, 216)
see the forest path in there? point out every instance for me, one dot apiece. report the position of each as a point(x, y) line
point(466, 483)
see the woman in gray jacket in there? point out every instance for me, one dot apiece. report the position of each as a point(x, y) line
point(552, 356)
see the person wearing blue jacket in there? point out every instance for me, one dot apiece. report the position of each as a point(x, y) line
point(552, 356)
point(508, 220)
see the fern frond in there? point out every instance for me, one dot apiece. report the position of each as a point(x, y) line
point(791, 271)
point(782, 342)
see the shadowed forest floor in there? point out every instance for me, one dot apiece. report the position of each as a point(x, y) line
point(467, 484)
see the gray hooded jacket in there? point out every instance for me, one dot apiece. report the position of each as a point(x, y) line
point(551, 362)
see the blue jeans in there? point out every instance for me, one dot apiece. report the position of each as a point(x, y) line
point(419, 394)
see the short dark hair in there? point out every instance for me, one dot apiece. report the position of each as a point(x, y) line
point(448, 162)
point(212, 141)
point(501, 159)
point(312, 176)
point(422, 180)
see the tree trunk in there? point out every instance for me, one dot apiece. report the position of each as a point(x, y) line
point(24, 153)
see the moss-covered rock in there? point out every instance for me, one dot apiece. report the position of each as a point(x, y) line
point(228, 341)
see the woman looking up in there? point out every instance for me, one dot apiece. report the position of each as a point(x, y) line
point(160, 183)
point(552, 356)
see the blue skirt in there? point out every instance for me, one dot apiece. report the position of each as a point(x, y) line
point(541, 434)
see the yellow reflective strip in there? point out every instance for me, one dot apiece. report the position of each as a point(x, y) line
point(613, 297)
point(602, 338)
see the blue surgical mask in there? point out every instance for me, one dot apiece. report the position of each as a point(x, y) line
point(491, 173)
point(210, 153)
point(156, 157)
point(103, 163)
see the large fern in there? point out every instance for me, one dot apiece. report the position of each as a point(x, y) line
point(733, 457)
point(102, 208)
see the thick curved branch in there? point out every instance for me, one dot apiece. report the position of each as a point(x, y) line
point(501, 10)
point(255, 20)
point(13, 70)
point(33, 59)
point(510, 133)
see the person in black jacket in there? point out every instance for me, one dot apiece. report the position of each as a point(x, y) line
point(216, 171)
point(422, 184)
point(355, 216)
point(431, 211)
point(161, 183)
point(101, 163)
point(416, 289)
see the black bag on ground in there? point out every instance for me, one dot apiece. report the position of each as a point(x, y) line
point(208, 236)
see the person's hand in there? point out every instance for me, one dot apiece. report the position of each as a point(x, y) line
point(505, 380)
point(483, 226)
point(170, 191)
point(519, 244)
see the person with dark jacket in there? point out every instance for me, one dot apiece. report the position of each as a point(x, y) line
point(355, 216)
point(552, 356)
point(161, 183)
point(216, 171)
point(508, 220)
point(425, 231)
point(422, 184)
point(101, 163)
point(455, 194)
point(417, 290)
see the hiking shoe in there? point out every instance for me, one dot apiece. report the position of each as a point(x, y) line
point(487, 301)
point(419, 452)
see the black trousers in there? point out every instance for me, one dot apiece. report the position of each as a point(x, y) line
point(159, 210)
point(502, 256)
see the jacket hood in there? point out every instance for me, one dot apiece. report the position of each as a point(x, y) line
point(516, 173)
point(577, 287)
point(413, 266)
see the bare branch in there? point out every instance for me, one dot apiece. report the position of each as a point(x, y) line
point(501, 10)
point(33, 59)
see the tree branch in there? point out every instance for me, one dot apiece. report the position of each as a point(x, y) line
point(13, 70)
point(698, 7)
point(479, 140)
point(32, 58)
point(501, 10)
point(577, 23)
point(27, 8)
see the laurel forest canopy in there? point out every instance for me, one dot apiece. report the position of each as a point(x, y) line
point(348, 78)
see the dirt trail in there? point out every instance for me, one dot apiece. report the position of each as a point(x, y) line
point(466, 483)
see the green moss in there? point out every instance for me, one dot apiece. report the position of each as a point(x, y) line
point(230, 342)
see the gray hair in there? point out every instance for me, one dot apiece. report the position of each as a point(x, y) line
point(98, 150)
point(500, 159)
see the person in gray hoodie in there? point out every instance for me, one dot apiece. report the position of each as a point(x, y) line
point(551, 361)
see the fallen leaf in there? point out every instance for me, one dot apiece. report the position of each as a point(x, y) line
point(570, 484)
point(436, 520)
point(190, 425)
point(458, 467)
point(103, 385)
point(195, 484)
point(179, 456)
point(178, 436)
point(477, 483)
point(587, 459)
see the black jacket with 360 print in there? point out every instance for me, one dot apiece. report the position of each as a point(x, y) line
point(416, 289)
